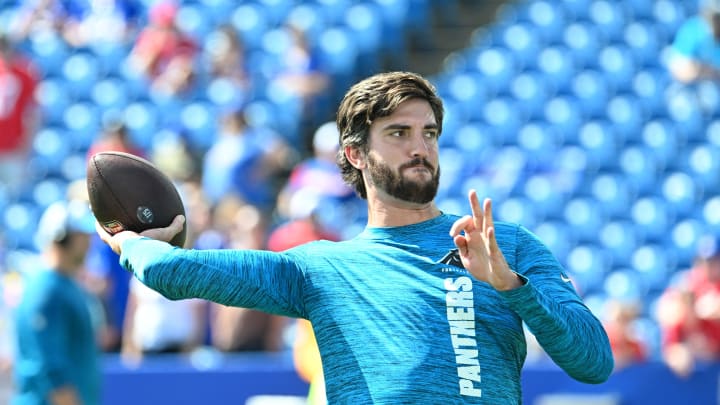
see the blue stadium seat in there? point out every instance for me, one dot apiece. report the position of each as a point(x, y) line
point(545, 192)
point(684, 109)
point(518, 210)
point(652, 217)
point(668, 16)
point(653, 263)
point(540, 142)
point(662, 138)
point(49, 52)
point(74, 166)
point(708, 95)
point(473, 138)
point(680, 192)
point(638, 165)
point(532, 93)
point(576, 9)
point(498, 67)
point(522, 40)
point(614, 193)
point(640, 9)
point(50, 146)
point(563, 114)
point(617, 64)
point(81, 71)
point(572, 159)
point(585, 216)
point(557, 66)
point(48, 191)
point(555, 235)
point(277, 10)
point(365, 22)
point(547, 19)
point(587, 265)
point(308, 17)
point(610, 18)
point(195, 20)
point(225, 94)
point(700, 161)
point(110, 94)
point(469, 91)
point(217, 10)
point(644, 42)
point(82, 121)
point(624, 285)
point(452, 162)
point(199, 119)
point(53, 97)
point(584, 42)
point(251, 21)
point(649, 86)
point(619, 239)
point(710, 211)
point(592, 93)
point(334, 10)
point(600, 140)
point(502, 115)
point(19, 222)
point(142, 119)
point(684, 238)
point(626, 115)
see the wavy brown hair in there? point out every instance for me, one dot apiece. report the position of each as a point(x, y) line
point(372, 98)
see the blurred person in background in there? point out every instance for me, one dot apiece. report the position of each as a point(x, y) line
point(695, 50)
point(628, 348)
point(57, 356)
point(302, 75)
point(163, 53)
point(226, 59)
point(248, 162)
point(19, 113)
point(156, 325)
point(688, 312)
point(115, 137)
point(239, 225)
point(98, 22)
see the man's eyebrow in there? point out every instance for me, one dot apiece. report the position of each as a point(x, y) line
point(405, 126)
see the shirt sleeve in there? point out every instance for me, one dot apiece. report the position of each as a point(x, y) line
point(551, 308)
point(687, 38)
point(262, 280)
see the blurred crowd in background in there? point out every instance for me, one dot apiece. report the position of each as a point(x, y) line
point(236, 103)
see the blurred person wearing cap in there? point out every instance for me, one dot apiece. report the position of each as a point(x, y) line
point(57, 356)
point(695, 50)
point(689, 312)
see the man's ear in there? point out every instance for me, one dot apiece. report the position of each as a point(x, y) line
point(355, 156)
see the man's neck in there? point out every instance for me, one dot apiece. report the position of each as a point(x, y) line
point(398, 213)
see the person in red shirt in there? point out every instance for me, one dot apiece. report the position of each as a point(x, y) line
point(689, 312)
point(163, 53)
point(628, 348)
point(18, 113)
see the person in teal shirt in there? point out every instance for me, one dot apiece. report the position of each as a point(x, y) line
point(695, 50)
point(57, 357)
point(423, 306)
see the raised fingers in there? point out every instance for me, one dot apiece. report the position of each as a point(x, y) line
point(462, 224)
point(477, 211)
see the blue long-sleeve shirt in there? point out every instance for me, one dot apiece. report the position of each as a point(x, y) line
point(395, 323)
point(56, 344)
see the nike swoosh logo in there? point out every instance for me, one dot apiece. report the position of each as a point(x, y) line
point(565, 278)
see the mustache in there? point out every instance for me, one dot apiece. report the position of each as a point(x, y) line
point(418, 162)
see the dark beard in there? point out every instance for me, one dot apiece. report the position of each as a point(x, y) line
point(400, 187)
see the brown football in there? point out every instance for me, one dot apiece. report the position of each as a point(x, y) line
point(128, 192)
